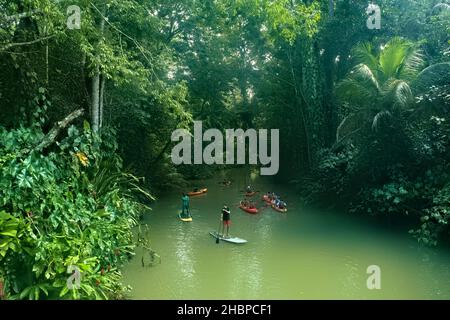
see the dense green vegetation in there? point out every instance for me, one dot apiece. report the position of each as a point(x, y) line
point(363, 117)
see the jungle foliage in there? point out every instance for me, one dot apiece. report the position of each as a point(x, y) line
point(363, 117)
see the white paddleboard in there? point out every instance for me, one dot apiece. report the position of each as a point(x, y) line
point(232, 239)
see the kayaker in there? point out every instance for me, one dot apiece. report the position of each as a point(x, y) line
point(226, 220)
point(185, 206)
point(277, 202)
point(226, 182)
point(249, 189)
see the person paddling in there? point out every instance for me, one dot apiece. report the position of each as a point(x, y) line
point(226, 220)
point(185, 206)
point(225, 182)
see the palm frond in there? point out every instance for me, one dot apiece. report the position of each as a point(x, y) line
point(412, 64)
point(355, 93)
point(441, 7)
point(364, 54)
point(402, 95)
point(378, 118)
point(363, 73)
point(397, 94)
point(359, 88)
point(393, 56)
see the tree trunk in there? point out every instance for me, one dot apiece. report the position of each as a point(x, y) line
point(95, 116)
point(300, 105)
point(46, 59)
point(97, 90)
point(102, 99)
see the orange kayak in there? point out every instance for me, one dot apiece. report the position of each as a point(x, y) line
point(250, 194)
point(196, 193)
point(266, 199)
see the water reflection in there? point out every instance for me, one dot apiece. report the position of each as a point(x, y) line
point(184, 253)
point(352, 278)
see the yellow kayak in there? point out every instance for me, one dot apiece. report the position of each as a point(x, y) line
point(185, 219)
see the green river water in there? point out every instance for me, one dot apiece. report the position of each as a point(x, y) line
point(303, 254)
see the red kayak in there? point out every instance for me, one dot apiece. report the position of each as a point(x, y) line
point(266, 198)
point(249, 210)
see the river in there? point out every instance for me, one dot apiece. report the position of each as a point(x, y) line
point(303, 254)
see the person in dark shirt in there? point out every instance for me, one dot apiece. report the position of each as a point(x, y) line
point(226, 219)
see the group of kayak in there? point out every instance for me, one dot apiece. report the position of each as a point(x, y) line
point(270, 198)
point(246, 205)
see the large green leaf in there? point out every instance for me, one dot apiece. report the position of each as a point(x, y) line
point(9, 233)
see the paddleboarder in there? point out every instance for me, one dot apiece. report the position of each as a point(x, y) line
point(226, 220)
point(185, 206)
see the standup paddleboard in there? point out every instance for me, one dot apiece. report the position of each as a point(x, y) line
point(232, 239)
point(185, 219)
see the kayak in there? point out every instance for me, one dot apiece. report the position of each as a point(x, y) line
point(196, 193)
point(250, 194)
point(249, 210)
point(185, 219)
point(232, 239)
point(266, 198)
point(274, 207)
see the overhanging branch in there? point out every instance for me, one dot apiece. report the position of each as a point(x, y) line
point(51, 136)
point(19, 44)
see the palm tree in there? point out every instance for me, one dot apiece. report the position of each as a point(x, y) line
point(378, 89)
point(441, 8)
